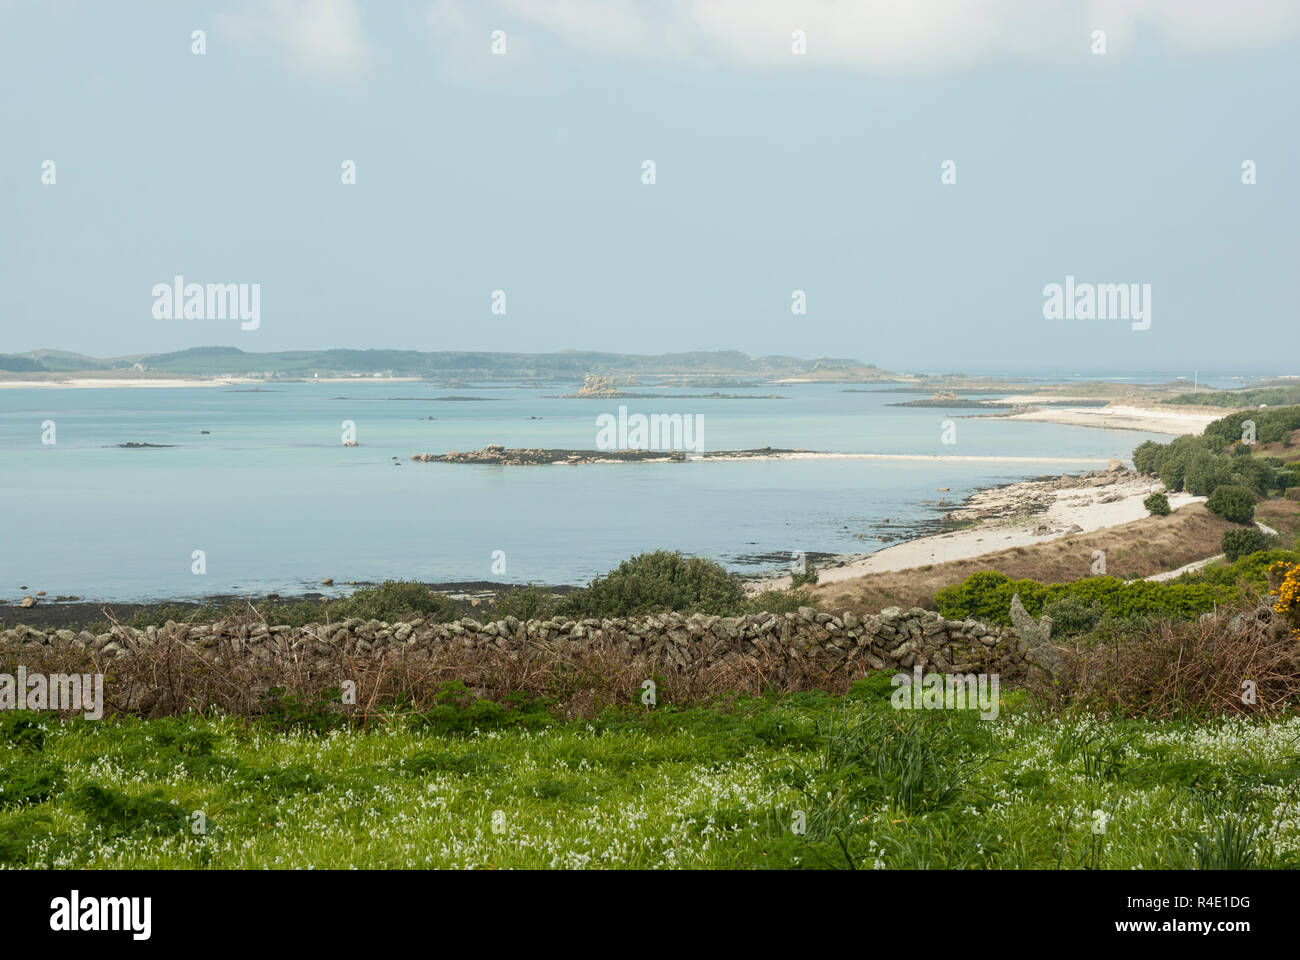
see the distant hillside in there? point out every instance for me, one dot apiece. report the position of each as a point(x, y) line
point(567, 365)
point(20, 364)
point(55, 361)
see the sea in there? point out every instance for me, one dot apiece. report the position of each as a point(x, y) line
point(249, 489)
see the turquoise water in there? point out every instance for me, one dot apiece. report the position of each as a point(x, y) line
point(276, 502)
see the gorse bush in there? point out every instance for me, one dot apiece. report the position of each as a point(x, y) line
point(658, 581)
point(1287, 578)
point(1157, 505)
point(1245, 541)
point(1232, 503)
point(986, 596)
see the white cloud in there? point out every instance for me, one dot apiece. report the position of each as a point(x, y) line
point(320, 37)
point(872, 35)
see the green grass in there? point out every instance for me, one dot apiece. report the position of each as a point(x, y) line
point(662, 788)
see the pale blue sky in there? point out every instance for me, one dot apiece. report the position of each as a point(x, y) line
point(775, 173)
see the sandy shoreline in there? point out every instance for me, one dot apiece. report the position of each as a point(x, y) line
point(1118, 417)
point(1017, 515)
point(933, 458)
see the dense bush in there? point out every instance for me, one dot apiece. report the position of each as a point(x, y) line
point(1175, 458)
point(987, 596)
point(1245, 541)
point(658, 581)
point(1232, 503)
point(1146, 457)
point(526, 604)
point(395, 600)
point(1253, 472)
point(1157, 505)
point(1206, 471)
point(1285, 479)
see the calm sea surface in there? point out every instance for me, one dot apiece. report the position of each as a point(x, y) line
point(276, 502)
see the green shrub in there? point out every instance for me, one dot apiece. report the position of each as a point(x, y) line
point(526, 604)
point(1232, 503)
point(395, 600)
point(1146, 457)
point(1245, 541)
point(1157, 505)
point(1254, 473)
point(808, 576)
point(1072, 616)
point(1205, 472)
point(779, 601)
point(1250, 570)
point(986, 596)
point(658, 581)
point(1285, 479)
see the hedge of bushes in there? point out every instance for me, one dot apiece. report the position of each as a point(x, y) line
point(1251, 570)
point(986, 596)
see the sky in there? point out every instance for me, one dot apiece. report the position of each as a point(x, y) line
point(522, 169)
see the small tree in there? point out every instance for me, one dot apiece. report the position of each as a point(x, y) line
point(1157, 505)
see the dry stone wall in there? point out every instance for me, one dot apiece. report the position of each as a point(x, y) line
point(892, 639)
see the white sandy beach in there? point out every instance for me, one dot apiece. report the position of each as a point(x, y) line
point(949, 458)
point(1072, 510)
point(1120, 417)
point(1097, 462)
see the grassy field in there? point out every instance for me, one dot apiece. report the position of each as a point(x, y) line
point(804, 781)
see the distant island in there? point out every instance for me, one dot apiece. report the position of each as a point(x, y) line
point(607, 376)
point(499, 455)
point(699, 368)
